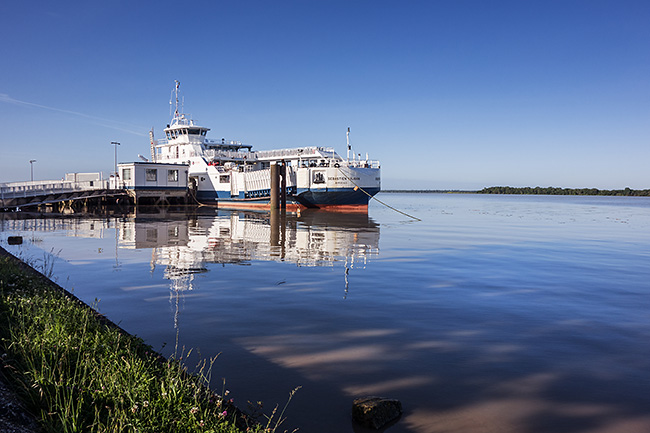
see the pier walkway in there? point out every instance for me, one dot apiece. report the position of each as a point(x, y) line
point(59, 194)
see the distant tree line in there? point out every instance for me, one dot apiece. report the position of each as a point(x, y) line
point(428, 191)
point(550, 190)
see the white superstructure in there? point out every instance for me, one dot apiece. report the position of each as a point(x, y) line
point(229, 173)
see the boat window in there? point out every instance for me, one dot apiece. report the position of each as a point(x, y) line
point(126, 174)
point(319, 177)
point(151, 174)
point(224, 178)
point(152, 235)
point(172, 175)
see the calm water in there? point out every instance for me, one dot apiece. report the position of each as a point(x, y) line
point(492, 314)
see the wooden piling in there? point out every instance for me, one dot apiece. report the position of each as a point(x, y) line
point(275, 186)
point(283, 185)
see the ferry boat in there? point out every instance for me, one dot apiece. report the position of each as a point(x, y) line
point(231, 174)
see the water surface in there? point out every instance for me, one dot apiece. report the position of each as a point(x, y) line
point(492, 314)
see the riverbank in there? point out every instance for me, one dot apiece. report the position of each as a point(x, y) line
point(74, 370)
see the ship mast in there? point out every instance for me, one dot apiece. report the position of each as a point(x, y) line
point(348, 140)
point(175, 97)
point(153, 145)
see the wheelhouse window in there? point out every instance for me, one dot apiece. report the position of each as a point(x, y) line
point(126, 174)
point(151, 174)
point(224, 178)
point(172, 175)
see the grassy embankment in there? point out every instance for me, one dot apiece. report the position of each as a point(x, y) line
point(76, 371)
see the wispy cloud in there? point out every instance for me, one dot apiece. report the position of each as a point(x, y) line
point(112, 124)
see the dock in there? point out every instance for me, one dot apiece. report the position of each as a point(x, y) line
point(57, 196)
point(78, 191)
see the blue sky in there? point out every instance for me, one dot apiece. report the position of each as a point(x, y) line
point(450, 94)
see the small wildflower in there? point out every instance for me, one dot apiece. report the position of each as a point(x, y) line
point(145, 403)
point(226, 393)
point(201, 423)
point(134, 409)
point(194, 410)
point(224, 413)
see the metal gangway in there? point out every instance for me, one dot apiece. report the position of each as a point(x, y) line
point(75, 186)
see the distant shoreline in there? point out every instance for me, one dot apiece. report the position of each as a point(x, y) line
point(551, 190)
point(427, 191)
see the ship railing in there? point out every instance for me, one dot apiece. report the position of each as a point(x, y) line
point(296, 153)
point(36, 188)
point(226, 154)
point(224, 142)
point(337, 162)
point(208, 141)
point(364, 163)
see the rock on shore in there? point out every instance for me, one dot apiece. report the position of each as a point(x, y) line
point(376, 412)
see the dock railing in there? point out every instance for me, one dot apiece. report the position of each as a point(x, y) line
point(44, 187)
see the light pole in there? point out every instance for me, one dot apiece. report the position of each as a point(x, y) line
point(115, 143)
point(31, 168)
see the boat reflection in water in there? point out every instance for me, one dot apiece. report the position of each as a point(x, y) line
point(313, 238)
point(186, 243)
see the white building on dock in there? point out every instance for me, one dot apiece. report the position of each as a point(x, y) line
point(153, 181)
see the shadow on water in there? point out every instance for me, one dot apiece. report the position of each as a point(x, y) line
point(446, 384)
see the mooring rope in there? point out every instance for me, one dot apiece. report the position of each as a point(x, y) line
point(375, 198)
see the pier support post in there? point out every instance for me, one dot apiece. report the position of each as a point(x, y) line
point(283, 185)
point(275, 186)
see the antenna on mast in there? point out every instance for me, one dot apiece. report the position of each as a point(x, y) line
point(174, 97)
point(348, 140)
point(178, 84)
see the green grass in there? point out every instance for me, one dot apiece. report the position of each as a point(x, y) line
point(77, 372)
